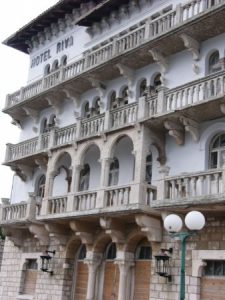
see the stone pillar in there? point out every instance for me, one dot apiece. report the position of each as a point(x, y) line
point(107, 120)
point(76, 178)
point(142, 108)
point(105, 165)
point(78, 130)
point(124, 267)
point(93, 261)
point(31, 207)
point(179, 17)
point(161, 103)
point(223, 174)
point(161, 188)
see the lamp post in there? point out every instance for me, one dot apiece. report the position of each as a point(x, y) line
point(194, 221)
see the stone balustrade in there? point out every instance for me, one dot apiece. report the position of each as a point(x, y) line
point(65, 135)
point(57, 205)
point(193, 186)
point(117, 196)
point(14, 211)
point(85, 201)
point(133, 37)
point(210, 87)
point(92, 126)
point(123, 116)
point(150, 194)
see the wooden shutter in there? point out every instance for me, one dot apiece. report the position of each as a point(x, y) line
point(111, 281)
point(142, 280)
point(81, 281)
point(212, 288)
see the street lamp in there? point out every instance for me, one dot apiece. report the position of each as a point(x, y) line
point(194, 221)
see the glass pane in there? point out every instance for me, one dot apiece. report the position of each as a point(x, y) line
point(145, 252)
point(216, 143)
point(214, 160)
point(222, 140)
point(218, 268)
point(208, 269)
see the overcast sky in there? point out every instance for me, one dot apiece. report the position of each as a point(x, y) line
point(14, 14)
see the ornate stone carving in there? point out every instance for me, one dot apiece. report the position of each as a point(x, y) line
point(115, 228)
point(160, 59)
point(73, 94)
point(192, 127)
point(192, 45)
point(84, 230)
point(175, 130)
point(53, 100)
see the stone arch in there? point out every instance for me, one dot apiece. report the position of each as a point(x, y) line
point(139, 83)
point(207, 137)
point(117, 138)
point(133, 239)
point(85, 109)
point(96, 106)
point(207, 59)
point(55, 65)
point(84, 148)
point(43, 125)
point(109, 98)
point(155, 81)
point(58, 155)
point(121, 90)
point(122, 150)
point(101, 242)
point(47, 69)
point(63, 60)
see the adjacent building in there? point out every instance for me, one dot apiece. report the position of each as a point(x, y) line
point(122, 122)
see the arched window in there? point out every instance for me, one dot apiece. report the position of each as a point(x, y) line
point(52, 121)
point(114, 172)
point(142, 89)
point(55, 65)
point(113, 101)
point(47, 69)
point(41, 187)
point(96, 109)
point(143, 251)
point(110, 253)
point(125, 94)
point(44, 126)
point(214, 62)
point(217, 151)
point(82, 253)
point(84, 178)
point(157, 81)
point(148, 172)
point(87, 112)
point(64, 60)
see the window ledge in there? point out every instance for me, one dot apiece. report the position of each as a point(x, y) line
point(25, 297)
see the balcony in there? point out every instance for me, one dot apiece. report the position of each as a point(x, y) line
point(202, 95)
point(193, 19)
point(203, 189)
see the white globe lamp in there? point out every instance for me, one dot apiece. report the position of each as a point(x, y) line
point(173, 223)
point(194, 220)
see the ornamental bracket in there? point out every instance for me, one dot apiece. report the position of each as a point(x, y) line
point(192, 127)
point(160, 59)
point(192, 45)
point(175, 130)
point(128, 73)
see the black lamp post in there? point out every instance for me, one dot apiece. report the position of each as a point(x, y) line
point(45, 261)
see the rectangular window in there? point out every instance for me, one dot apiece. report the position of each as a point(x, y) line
point(214, 268)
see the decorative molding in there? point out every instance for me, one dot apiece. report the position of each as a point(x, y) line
point(40, 233)
point(83, 230)
point(160, 59)
point(16, 123)
point(192, 45)
point(150, 226)
point(34, 114)
point(192, 127)
point(175, 130)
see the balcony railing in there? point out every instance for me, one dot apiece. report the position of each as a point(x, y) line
point(117, 196)
point(85, 201)
point(57, 205)
point(196, 92)
point(130, 39)
point(14, 212)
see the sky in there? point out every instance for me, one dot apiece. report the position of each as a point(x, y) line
point(14, 65)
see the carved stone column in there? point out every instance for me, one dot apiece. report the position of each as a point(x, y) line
point(76, 178)
point(93, 261)
point(124, 267)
